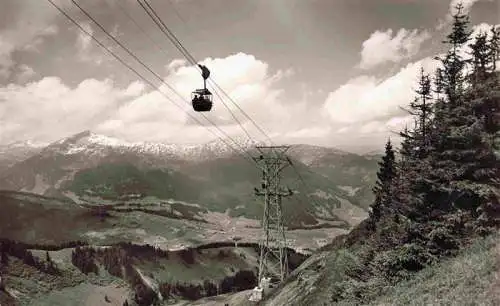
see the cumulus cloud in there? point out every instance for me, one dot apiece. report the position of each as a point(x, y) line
point(244, 78)
point(368, 109)
point(366, 98)
point(48, 109)
point(387, 46)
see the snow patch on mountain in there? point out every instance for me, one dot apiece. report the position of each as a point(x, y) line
point(90, 143)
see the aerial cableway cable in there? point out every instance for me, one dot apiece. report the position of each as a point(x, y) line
point(171, 36)
point(175, 41)
point(129, 16)
point(213, 81)
point(155, 74)
point(149, 82)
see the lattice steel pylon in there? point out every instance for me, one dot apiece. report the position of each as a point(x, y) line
point(272, 161)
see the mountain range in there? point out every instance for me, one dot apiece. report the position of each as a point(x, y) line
point(330, 184)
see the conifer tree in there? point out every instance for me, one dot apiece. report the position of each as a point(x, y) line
point(479, 59)
point(485, 102)
point(494, 47)
point(421, 109)
point(382, 189)
point(4, 259)
point(453, 63)
point(462, 158)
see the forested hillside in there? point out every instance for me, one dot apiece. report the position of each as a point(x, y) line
point(436, 197)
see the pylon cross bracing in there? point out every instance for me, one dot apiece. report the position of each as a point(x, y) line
point(273, 259)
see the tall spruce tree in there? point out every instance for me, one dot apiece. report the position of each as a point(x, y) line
point(479, 60)
point(4, 259)
point(462, 159)
point(485, 102)
point(415, 147)
point(447, 136)
point(421, 109)
point(382, 190)
point(453, 63)
point(494, 47)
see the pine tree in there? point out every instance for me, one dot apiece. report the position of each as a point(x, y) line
point(382, 189)
point(421, 109)
point(462, 159)
point(4, 259)
point(485, 102)
point(494, 47)
point(479, 60)
point(453, 63)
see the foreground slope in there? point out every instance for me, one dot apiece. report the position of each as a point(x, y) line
point(113, 274)
point(471, 278)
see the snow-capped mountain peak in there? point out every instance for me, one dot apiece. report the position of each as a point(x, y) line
point(92, 143)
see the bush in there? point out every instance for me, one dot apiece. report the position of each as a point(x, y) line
point(402, 261)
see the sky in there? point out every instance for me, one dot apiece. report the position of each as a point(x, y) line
point(323, 72)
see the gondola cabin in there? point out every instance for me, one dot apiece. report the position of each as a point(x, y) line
point(201, 100)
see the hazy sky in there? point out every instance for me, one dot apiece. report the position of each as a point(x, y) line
point(327, 72)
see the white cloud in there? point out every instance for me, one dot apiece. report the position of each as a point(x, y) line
point(366, 98)
point(49, 109)
point(244, 78)
point(365, 110)
point(173, 65)
point(382, 47)
point(135, 89)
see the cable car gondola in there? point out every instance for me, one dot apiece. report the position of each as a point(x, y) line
point(202, 98)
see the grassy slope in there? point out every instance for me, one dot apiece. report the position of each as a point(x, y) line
point(36, 219)
point(469, 278)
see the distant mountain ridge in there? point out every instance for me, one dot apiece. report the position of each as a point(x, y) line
point(92, 142)
point(18, 151)
point(88, 165)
